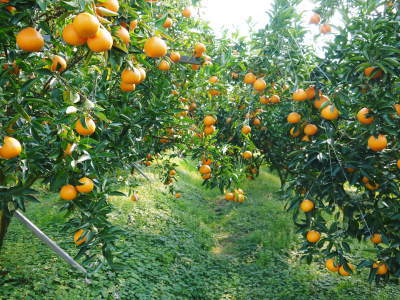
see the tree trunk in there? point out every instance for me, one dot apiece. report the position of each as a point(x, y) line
point(5, 219)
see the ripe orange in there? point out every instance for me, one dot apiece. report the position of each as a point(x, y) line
point(229, 196)
point(172, 173)
point(155, 47)
point(362, 116)
point(310, 129)
point(299, 95)
point(78, 239)
point(199, 49)
point(306, 205)
point(330, 112)
point(257, 121)
point(206, 161)
point(293, 117)
point(127, 87)
point(11, 148)
point(315, 19)
point(175, 57)
point(68, 192)
point(30, 40)
point(343, 272)
point(214, 92)
point(133, 24)
point(397, 108)
point(70, 148)
point(205, 169)
point(89, 129)
point(101, 41)
point(131, 76)
point(213, 79)
point(123, 34)
point(209, 130)
point(187, 12)
point(71, 37)
point(134, 197)
point(310, 91)
point(376, 238)
point(264, 100)
point(260, 84)
point(325, 28)
point(164, 65)
point(86, 186)
point(247, 155)
point(372, 186)
point(377, 144)
point(112, 5)
point(167, 23)
point(294, 133)
point(249, 78)
point(274, 99)
point(178, 195)
point(313, 236)
point(246, 129)
point(86, 25)
point(209, 120)
point(331, 266)
point(9, 7)
point(58, 64)
point(365, 179)
point(195, 67)
point(305, 138)
point(382, 268)
point(398, 163)
point(368, 71)
point(318, 102)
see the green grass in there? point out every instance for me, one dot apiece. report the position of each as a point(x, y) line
point(196, 247)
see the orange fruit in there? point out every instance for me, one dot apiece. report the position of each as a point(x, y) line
point(307, 205)
point(167, 23)
point(206, 161)
point(397, 108)
point(246, 129)
point(318, 102)
point(264, 100)
point(362, 116)
point(206, 176)
point(133, 24)
point(372, 186)
point(112, 5)
point(195, 67)
point(209, 130)
point(249, 78)
point(172, 173)
point(123, 34)
point(257, 121)
point(142, 73)
point(377, 144)
point(131, 76)
point(68, 192)
point(247, 155)
point(315, 19)
point(313, 236)
point(164, 65)
point(330, 112)
point(175, 57)
point(70, 148)
point(11, 148)
point(178, 195)
point(71, 37)
point(382, 268)
point(398, 163)
point(86, 25)
point(58, 64)
point(274, 99)
point(101, 41)
point(213, 92)
point(368, 71)
point(365, 179)
point(209, 120)
point(343, 272)
point(299, 95)
point(155, 47)
point(305, 138)
point(199, 49)
point(127, 87)
point(294, 133)
point(204, 169)
point(293, 117)
point(30, 40)
point(259, 84)
point(331, 266)
point(325, 29)
point(86, 186)
point(134, 197)
point(310, 129)
point(229, 196)
point(213, 79)
point(89, 129)
point(187, 12)
point(376, 238)
point(78, 239)
point(310, 91)
point(9, 7)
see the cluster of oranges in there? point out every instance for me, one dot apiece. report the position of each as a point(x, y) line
point(205, 169)
point(259, 84)
point(324, 28)
point(236, 196)
point(131, 77)
point(70, 192)
point(209, 122)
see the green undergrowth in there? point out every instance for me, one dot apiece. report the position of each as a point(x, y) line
point(195, 247)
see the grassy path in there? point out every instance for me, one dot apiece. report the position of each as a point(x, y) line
point(196, 247)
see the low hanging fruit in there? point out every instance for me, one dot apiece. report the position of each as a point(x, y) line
point(246, 129)
point(89, 129)
point(71, 37)
point(363, 118)
point(30, 40)
point(78, 239)
point(68, 192)
point(86, 186)
point(299, 95)
point(131, 76)
point(204, 169)
point(306, 205)
point(58, 64)
point(330, 113)
point(293, 117)
point(313, 236)
point(100, 42)
point(11, 148)
point(343, 272)
point(155, 47)
point(377, 143)
point(331, 266)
